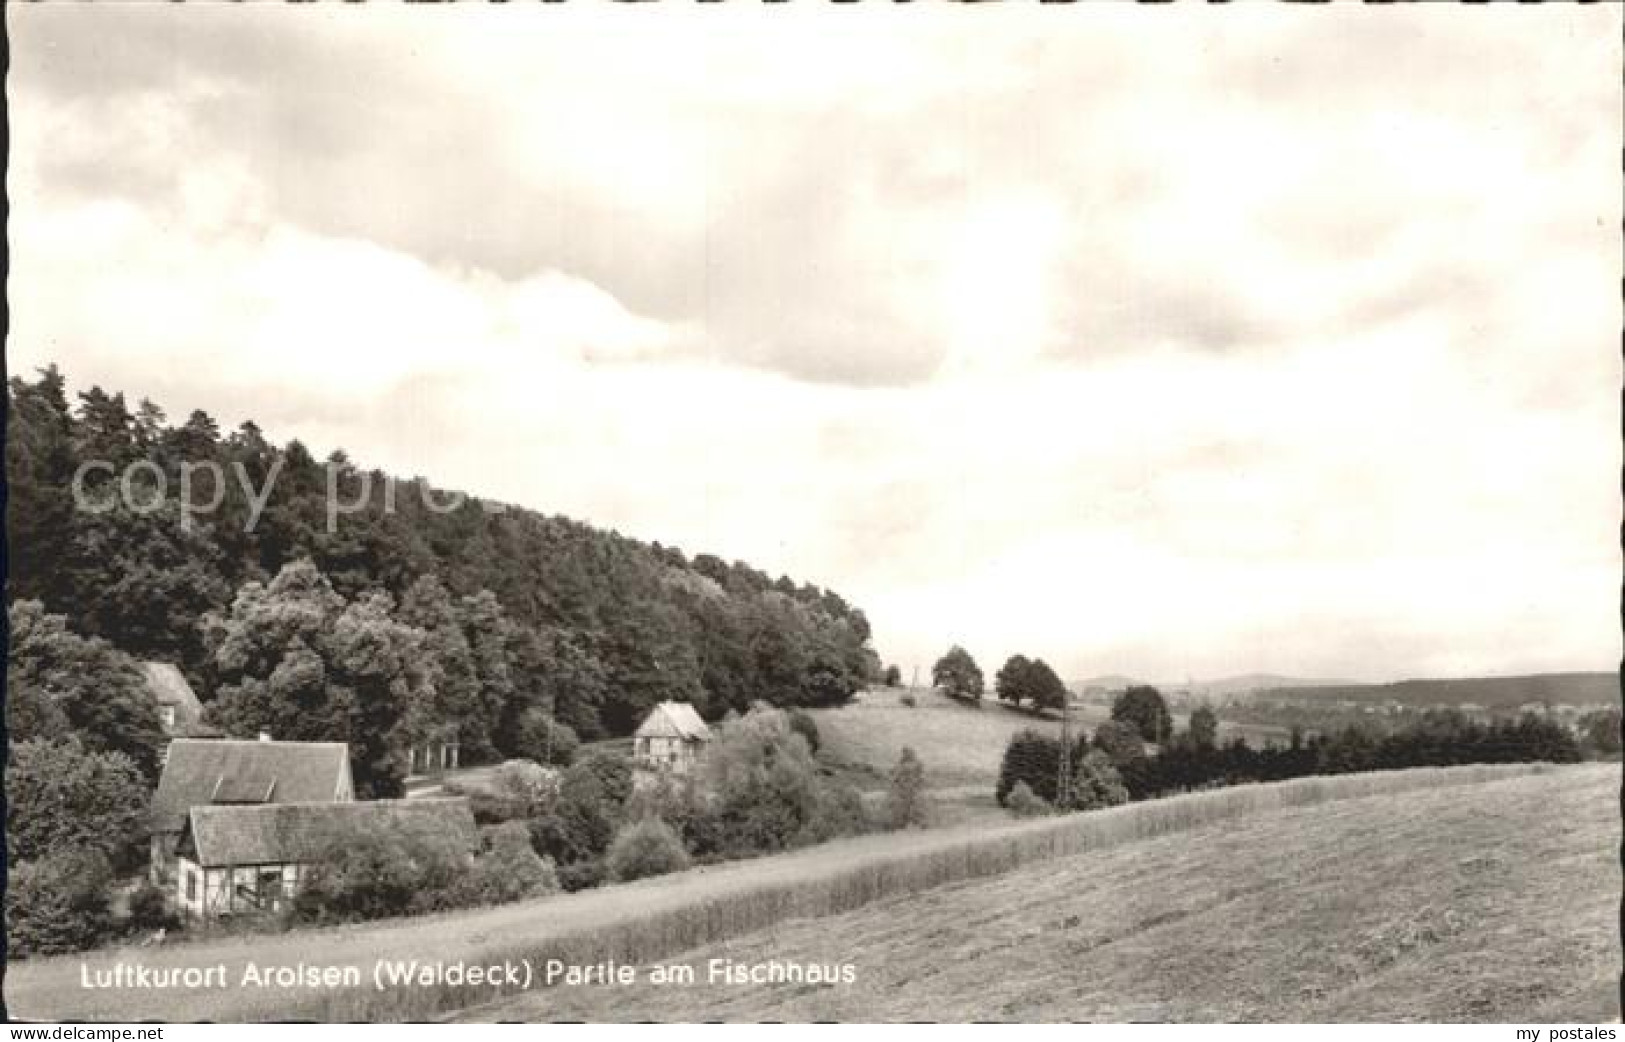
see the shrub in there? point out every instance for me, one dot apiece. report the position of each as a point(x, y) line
point(508, 869)
point(760, 784)
point(907, 805)
point(1096, 783)
point(150, 909)
point(581, 825)
point(1142, 707)
point(837, 811)
point(1024, 804)
point(802, 723)
point(611, 770)
point(909, 701)
point(530, 783)
point(648, 847)
point(373, 873)
point(544, 740)
point(490, 808)
point(1033, 758)
point(58, 903)
point(1121, 742)
point(60, 797)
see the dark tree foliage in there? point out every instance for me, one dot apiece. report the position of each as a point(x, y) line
point(1021, 679)
point(518, 611)
point(62, 686)
point(957, 674)
point(1442, 738)
point(1143, 708)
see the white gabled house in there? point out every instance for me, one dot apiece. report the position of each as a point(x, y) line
point(670, 738)
point(235, 858)
point(201, 772)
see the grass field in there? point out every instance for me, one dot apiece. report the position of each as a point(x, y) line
point(658, 918)
point(961, 745)
point(1496, 902)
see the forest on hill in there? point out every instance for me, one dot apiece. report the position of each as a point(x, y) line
point(418, 614)
point(1574, 689)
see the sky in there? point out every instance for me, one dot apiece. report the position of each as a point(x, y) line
point(1175, 342)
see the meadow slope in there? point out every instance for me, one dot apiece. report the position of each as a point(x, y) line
point(960, 744)
point(662, 917)
point(1495, 902)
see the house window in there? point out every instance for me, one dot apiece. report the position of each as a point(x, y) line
point(167, 715)
point(191, 887)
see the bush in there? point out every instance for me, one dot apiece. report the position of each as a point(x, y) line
point(581, 825)
point(611, 770)
point(375, 873)
point(1096, 783)
point(837, 811)
point(909, 701)
point(508, 869)
point(802, 723)
point(907, 804)
point(760, 784)
point(530, 783)
point(649, 847)
point(1121, 742)
point(58, 903)
point(150, 909)
point(1024, 804)
point(544, 740)
point(60, 797)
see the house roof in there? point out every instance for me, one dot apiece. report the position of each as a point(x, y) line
point(298, 833)
point(673, 720)
point(170, 688)
point(204, 771)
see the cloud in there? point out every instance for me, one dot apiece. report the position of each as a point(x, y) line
point(1142, 343)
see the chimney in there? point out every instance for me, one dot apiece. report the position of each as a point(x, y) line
point(265, 736)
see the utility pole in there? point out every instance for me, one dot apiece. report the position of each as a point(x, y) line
point(1063, 784)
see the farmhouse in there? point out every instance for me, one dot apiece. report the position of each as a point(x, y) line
point(234, 858)
point(670, 738)
point(213, 772)
point(178, 707)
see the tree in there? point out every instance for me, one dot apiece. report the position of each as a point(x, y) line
point(541, 738)
point(893, 676)
point(906, 800)
point(802, 723)
point(60, 684)
point(1023, 803)
point(508, 869)
point(1033, 758)
point(1142, 707)
point(1601, 732)
point(58, 903)
point(1097, 783)
point(1120, 741)
point(1203, 728)
point(647, 847)
point(1044, 687)
point(1011, 682)
point(762, 787)
point(957, 674)
point(60, 797)
point(301, 663)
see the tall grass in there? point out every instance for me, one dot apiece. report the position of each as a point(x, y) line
point(643, 938)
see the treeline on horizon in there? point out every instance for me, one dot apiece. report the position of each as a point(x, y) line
point(406, 617)
point(1194, 758)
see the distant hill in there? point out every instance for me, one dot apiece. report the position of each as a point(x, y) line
point(1224, 687)
point(1575, 689)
